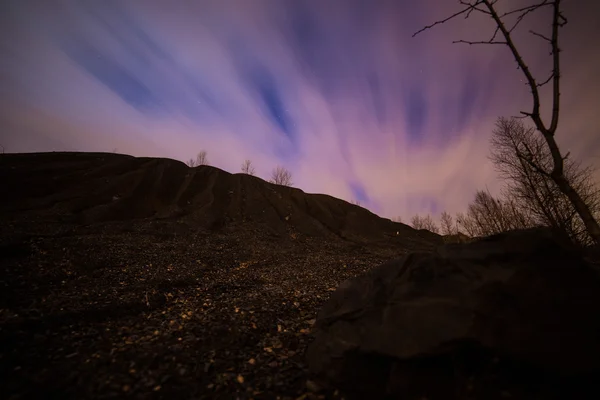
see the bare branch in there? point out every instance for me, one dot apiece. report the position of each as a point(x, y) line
point(563, 20)
point(540, 35)
point(481, 42)
point(524, 12)
point(495, 33)
point(467, 9)
point(546, 81)
point(524, 9)
point(532, 164)
point(556, 23)
point(472, 7)
point(535, 115)
point(517, 22)
point(521, 116)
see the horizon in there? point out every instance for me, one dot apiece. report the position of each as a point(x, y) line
point(340, 93)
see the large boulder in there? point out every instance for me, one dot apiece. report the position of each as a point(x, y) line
point(515, 314)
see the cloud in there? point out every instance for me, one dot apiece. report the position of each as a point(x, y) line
point(339, 92)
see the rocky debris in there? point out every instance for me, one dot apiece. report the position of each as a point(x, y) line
point(163, 309)
point(513, 315)
point(141, 277)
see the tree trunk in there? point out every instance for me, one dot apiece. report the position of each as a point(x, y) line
point(582, 209)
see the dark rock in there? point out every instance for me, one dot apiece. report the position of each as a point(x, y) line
point(437, 324)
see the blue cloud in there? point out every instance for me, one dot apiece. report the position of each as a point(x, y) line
point(376, 95)
point(109, 72)
point(359, 192)
point(416, 112)
point(467, 102)
point(317, 50)
point(265, 85)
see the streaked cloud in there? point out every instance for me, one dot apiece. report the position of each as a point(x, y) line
point(338, 91)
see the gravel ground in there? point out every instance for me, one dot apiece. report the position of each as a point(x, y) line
point(161, 310)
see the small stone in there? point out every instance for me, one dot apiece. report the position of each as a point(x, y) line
point(313, 386)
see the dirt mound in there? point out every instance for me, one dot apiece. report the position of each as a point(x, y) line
point(100, 187)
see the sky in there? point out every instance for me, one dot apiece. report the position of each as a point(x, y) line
point(338, 91)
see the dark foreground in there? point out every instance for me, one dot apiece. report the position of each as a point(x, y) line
point(159, 310)
point(125, 277)
point(143, 278)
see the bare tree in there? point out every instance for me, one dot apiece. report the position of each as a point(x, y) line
point(355, 202)
point(248, 168)
point(201, 159)
point(447, 224)
point(504, 30)
point(430, 224)
point(425, 222)
point(281, 176)
point(466, 224)
point(397, 219)
point(537, 193)
point(487, 215)
point(417, 222)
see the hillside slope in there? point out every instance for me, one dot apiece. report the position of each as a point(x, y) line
point(92, 188)
point(141, 277)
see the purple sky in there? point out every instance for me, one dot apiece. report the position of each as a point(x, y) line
point(336, 91)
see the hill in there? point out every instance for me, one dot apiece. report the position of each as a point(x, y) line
point(92, 188)
point(141, 277)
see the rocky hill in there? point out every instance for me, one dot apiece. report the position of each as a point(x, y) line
point(91, 188)
point(144, 278)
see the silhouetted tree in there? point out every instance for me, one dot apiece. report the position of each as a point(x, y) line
point(447, 224)
point(425, 222)
point(248, 168)
point(487, 215)
point(281, 176)
point(201, 159)
point(503, 35)
point(536, 193)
